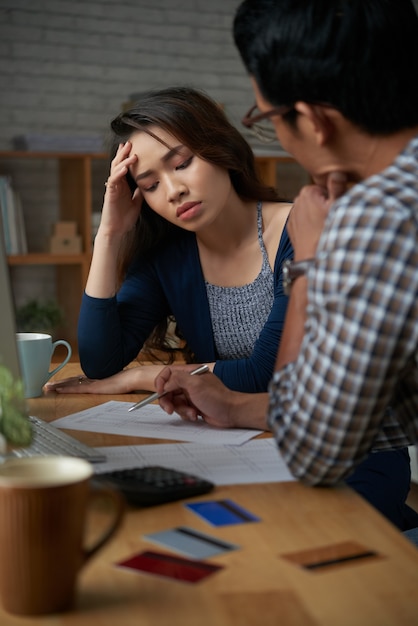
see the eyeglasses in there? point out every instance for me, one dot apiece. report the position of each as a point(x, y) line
point(263, 131)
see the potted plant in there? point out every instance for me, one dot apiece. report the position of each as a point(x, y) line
point(37, 316)
point(15, 428)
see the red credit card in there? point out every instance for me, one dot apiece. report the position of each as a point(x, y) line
point(170, 566)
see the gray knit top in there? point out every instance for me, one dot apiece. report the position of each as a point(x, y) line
point(239, 313)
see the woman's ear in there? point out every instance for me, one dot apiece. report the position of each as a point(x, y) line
point(320, 118)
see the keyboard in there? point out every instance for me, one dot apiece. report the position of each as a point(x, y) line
point(152, 484)
point(49, 440)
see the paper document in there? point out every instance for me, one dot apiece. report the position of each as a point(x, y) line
point(151, 421)
point(257, 461)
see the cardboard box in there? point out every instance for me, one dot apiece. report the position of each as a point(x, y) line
point(65, 245)
point(65, 229)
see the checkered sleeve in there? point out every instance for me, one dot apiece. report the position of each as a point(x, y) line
point(354, 385)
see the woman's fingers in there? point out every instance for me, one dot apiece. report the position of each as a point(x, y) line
point(120, 165)
point(76, 384)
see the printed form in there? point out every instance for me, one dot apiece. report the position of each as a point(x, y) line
point(257, 461)
point(225, 456)
point(151, 421)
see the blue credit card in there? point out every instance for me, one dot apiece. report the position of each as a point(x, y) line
point(222, 512)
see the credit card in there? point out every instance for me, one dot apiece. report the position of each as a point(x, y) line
point(191, 542)
point(169, 566)
point(222, 512)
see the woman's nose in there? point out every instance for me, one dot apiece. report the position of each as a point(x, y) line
point(175, 188)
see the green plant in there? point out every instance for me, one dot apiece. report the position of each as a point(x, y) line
point(15, 428)
point(36, 316)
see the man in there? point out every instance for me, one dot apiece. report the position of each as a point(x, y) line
point(336, 80)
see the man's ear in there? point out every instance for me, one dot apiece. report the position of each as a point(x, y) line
point(320, 118)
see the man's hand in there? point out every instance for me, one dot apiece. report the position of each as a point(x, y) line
point(194, 396)
point(310, 209)
point(206, 397)
point(305, 225)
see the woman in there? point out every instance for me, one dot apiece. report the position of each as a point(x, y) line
point(187, 232)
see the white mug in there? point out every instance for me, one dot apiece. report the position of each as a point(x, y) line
point(35, 352)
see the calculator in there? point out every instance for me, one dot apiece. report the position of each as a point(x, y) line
point(153, 484)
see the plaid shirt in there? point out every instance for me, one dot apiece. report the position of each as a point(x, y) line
point(354, 385)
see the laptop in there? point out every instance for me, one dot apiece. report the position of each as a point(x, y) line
point(47, 439)
point(8, 347)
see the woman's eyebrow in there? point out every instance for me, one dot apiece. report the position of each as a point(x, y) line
point(172, 152)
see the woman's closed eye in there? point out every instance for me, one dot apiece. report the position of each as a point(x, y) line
point(181, 166)
point(150, 188)
point(180, 163)
point(184, 164)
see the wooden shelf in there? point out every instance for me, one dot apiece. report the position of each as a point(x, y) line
point(74, 180)
point(45, 258)
point(267, 166)
point(75, 204)
point(40, 154)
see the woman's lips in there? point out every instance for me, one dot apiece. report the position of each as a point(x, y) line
point(188, 210)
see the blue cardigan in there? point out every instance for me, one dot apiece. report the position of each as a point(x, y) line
point(112, 331)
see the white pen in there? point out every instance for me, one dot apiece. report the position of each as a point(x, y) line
point(155, 396)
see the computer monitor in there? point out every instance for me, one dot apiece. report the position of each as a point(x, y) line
point(8, 347)
point(46, 438)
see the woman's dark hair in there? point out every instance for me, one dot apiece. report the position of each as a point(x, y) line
point(200, 124)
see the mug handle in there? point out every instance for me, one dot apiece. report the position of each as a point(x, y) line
point(98, 491)
point(60, 342)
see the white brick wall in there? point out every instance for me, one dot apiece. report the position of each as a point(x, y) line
point(67, 67)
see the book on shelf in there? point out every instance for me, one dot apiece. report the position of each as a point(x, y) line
point(21, 241)
point(14, 231)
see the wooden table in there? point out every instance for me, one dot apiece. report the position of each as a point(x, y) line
point(258, 586)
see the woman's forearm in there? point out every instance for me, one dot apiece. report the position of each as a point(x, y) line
point(103, 276)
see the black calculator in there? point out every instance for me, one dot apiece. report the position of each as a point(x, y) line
point(152, 484)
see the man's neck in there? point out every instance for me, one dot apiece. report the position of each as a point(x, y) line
point(366, 155)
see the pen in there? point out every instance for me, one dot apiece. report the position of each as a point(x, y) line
point(155, 396)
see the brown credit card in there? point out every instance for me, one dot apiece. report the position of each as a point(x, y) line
point(331, 556)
